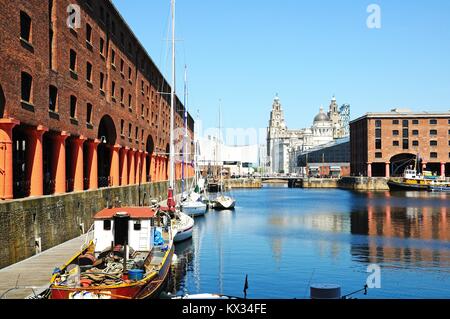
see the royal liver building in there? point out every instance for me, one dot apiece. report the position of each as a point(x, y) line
point(282, 143)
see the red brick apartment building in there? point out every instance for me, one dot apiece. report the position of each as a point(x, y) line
point(81, 107)
point(384, 144)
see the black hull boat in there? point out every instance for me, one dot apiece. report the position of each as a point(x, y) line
point(400, 186)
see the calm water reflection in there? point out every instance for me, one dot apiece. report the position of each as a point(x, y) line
point(285, 239)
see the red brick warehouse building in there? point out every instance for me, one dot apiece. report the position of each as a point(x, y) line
point(385, 144)
point(81, 107)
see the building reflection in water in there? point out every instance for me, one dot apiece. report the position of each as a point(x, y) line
point(408, 228)
point(404, 228)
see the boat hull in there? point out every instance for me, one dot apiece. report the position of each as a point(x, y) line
point(184, 231)
point(399, 186)
point(225, 205)
point(183, 235)
point(145, 289)
point(195, 210)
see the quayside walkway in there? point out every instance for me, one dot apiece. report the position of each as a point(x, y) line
point(35, 272)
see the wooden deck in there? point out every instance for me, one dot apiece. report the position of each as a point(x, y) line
point(36, 271)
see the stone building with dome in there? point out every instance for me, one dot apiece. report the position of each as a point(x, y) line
point(284, 145)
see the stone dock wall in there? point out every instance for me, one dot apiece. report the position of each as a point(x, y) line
point(364, 183)
point(31, 225)
point(243, 183)
point(352, 183)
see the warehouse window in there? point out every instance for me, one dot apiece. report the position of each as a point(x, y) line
point(102, 81)
point(53, 103)
point(415, 143)
point(27, 87)
point(122, 93)
point(396, 143)
point(113, 57)
point(102, 47)
point(130, 129)
point(73, 61)
point(378, 144)
point(433, 132)
point(113, 89)
point(433, 155)
point(73, 107)
point(89, 72)
point(25, 27)
point(405, 132)
point(433, 122)
point(415, 122)
point(89, 113)
point(433, 143)
point(405, 144)
point(88, 33)
point(122, 124)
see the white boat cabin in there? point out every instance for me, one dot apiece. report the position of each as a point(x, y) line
point(125, 226)
point(411, 174)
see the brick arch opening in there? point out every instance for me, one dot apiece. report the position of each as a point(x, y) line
point(21, 186)
point(107, 135)
point(2, 102)
point(150, 148)
point(400, 162)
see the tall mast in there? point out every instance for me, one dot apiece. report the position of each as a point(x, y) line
point(220, 145)
point(185, 146)
point(172, 106)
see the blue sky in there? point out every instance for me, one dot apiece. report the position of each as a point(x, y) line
point(244, 52)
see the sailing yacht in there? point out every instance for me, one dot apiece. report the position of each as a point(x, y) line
point(223, 202)
point(182, 224)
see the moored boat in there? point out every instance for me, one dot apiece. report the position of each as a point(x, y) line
point(439, 188)
point(129, 257)
point(194, 209)
point(224, 203)
point(182, 226)
point(413, 181)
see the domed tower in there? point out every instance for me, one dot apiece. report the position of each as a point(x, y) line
point(322, 128)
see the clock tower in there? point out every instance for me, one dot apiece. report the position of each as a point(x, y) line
point(276, 138)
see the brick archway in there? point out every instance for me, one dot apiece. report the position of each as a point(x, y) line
point(150, 148)
point(107, 135)
point(400, 162)
point(2, 102)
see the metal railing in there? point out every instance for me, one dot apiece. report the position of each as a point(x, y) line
point(89, 238)
point(104, 182)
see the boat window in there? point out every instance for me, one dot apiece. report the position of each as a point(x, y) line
point(137, 226)
point(106, 225)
